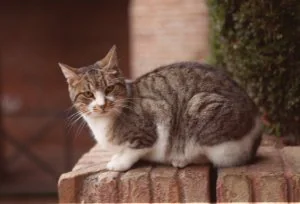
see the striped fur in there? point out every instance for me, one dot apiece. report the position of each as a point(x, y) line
point(174, 114)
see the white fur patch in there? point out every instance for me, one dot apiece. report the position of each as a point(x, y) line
point(233, 152)
point(100, 127)
point(91, 106)
point(125, 159)
point(100, 98)
point(158, 151)
point(111, 98)
point(193, 152)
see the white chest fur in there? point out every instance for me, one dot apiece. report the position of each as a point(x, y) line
point(100, 128)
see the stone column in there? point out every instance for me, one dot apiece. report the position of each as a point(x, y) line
point(166, 31)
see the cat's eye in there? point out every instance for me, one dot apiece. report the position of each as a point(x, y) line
point(109, 89)
point(88, 94)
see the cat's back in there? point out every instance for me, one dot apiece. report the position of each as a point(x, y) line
point(175, 71)
point(184, 79)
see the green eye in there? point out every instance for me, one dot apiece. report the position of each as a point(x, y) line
point(109, 89)
point(88, 94)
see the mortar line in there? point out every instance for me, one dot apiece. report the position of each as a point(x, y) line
point(150, 183)
point(213, 177)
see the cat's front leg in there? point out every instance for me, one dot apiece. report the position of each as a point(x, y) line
point(125, 159)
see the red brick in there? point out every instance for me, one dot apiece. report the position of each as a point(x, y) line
point(100, 187)
point(90, 182)
point(234, 188)
point(67, 189)
point(135, 186)
point(194, 184)
point(266, 180)
point(262, 181)
point(164, 185)
point(270, 188)
point(274, 177)
point(292, 169)
point(87, 177)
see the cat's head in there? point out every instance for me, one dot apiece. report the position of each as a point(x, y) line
point(98, 89)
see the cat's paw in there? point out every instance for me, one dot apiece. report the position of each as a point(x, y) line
point(179, 163)
point(117, 165)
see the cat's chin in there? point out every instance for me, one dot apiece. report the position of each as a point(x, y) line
point(99, 115)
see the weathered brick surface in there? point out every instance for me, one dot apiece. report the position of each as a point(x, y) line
point(166, 31)
point(165, 185)
point(134, 186)
point(195, 184)
point(100, 187)
point(73, 186)
point(274, 177)
point(90, 182)
point(234, 188)
point(291, 158)
point(67, 188)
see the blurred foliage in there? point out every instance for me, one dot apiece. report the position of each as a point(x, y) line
point(258, 42)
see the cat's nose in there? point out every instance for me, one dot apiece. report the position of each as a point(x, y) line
point(100, 106)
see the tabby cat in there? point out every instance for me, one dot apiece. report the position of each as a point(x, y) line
point(173, 115)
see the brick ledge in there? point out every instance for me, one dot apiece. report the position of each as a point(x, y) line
point(275, 177)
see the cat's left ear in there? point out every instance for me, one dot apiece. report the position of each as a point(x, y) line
point(110, 61)
point(69, 73)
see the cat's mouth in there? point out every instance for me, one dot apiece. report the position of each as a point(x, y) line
point(98, 113)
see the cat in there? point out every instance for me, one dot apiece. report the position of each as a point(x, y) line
point(173, 115)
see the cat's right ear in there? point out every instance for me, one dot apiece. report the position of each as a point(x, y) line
point(110, 61)
point(69, 73)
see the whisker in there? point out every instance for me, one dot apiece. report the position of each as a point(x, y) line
point(73, 116)
point(71, 120)
point(79, 129)
point(77, 117)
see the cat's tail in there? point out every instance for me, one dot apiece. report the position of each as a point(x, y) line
point(236, 153)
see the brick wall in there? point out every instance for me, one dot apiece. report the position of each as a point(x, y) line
point(89, 182)
point(167, 31)
point(273, 177)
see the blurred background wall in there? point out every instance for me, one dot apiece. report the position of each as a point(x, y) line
point(37, 144)
point(167, 31)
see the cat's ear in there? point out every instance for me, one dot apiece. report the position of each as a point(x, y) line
point(110, 61)
point(69, 72)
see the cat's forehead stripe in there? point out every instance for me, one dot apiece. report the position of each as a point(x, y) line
point(92, 80)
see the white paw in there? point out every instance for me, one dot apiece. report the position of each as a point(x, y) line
point(115, 156)
point(117, 165)
point(180, 163)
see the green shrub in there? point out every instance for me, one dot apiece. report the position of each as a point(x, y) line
point(258, 42)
